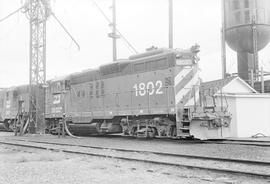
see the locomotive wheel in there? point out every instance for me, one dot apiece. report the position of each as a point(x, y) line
point(151, 132)
point(12, 126)
point(7, 126)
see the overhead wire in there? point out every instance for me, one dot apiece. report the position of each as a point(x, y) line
point(12, 13)
point(61, 25)
point(9, 30)
point(65, 29)
point(128, 47)
point(117, 30)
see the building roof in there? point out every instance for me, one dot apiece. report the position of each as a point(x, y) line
point(217, 84)
point(228, 85)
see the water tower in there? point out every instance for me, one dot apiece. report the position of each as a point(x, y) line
point(246, 29)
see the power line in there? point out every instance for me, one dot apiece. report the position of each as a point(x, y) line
point(10, 30)
point(9, 15)
point(64, 28)
point(45, 4)
point(110, 22)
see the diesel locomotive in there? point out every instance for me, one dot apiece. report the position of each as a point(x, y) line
point(153, 94)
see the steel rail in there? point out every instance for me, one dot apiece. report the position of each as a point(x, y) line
point(256, 141)
point(245, 143)
point(261, 175)
point(156, 153)
point(178, 141)
point(223, 141)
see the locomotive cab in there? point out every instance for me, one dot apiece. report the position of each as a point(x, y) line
point(56, 102)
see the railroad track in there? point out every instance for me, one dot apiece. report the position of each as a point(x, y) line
point(183, 141)
point(221, 165)
point(256, 143)
point(241, 142)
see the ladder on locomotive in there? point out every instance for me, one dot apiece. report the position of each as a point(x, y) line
point(186, 120)
point(185, 123)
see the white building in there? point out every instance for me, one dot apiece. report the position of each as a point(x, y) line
point(250, 110)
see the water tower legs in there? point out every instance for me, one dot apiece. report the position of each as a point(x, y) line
point(246, 65)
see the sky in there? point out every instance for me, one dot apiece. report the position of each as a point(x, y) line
point(143, 23)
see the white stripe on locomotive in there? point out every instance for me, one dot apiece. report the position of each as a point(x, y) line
point(187, 88)
point(179, 77)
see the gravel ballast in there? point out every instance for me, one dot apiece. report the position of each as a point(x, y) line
point(31, 166)
point(176, 147)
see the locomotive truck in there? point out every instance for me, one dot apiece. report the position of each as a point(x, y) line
point(153, 94)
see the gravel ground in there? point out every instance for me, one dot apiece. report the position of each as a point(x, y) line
point(263, 169)
point(30, 166)
point(176, 147)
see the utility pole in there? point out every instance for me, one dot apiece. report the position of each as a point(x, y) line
point(171, 24)
point(114, 31)
point(223, 40)
point(114, 35)
point(255, 49)
point(120, 35)
point(38, 12)
point(262, 80)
